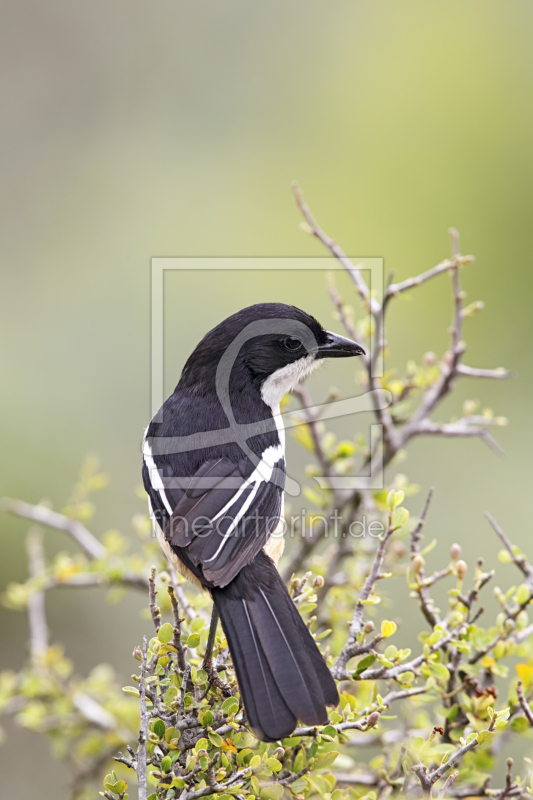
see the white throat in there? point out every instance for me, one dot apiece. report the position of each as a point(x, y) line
point(284, 380)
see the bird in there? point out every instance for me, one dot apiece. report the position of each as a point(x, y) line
point(214, 471)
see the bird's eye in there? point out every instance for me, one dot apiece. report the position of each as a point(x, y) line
point(292, 343)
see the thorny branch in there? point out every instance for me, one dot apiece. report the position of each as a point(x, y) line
point(395, 435)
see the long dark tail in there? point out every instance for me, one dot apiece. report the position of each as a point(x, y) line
point(282, 676)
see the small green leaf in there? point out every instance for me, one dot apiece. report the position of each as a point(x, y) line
point(268, 793)
point(326, 760)
point(230, 706)
point(523, 594)
point(298, 786)
point(158, 727)
point(400, 517)
point(201, 744)
point(205, 716)
point(165, 633)
point(365, 663)
point(274, 764)
point(215, 738)
point(169, 695)
point(193, 640)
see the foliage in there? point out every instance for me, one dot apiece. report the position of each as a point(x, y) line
point(432, 720)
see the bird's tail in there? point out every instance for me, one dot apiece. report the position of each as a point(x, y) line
point(281, 673)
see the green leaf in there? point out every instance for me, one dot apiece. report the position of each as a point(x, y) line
point(439, 671)
point(177, 783)
point(201, 744)
point(298, 786)
point(169, 695)
point(171, 733)
point(158, 727)
point(365, 663)
point(400, 517)
point(274, 764)
point(165, 633)
point(268, 793)
point(326, 760)
point(523, 594)
point(484, 736)
point(131, 690)
point(215, 739)
point(255, 762)
point(193, 640)
point(230, 706)
point(453, 712)
point(166, 764)
point(205, 717)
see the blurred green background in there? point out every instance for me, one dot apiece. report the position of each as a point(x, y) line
point(132, 129)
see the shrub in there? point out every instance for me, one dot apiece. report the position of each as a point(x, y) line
point(432, 720)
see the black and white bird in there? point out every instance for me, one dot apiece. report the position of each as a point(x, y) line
point(214, 470)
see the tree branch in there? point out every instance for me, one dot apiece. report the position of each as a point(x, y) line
point(36, 607)
point(143, 732)
point(52, 519)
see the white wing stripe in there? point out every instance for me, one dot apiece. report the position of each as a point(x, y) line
point(243, 510)
point(155, 478)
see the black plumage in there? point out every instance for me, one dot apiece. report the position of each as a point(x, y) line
point(214, 470)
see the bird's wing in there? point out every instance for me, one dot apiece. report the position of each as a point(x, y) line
point(224, 517)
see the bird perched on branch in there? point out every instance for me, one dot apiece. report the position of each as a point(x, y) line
point(214, 470)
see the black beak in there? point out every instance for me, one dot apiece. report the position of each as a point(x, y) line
point(339, 347)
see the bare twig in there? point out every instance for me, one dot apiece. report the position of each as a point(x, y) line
point(520, 560)
point(356, 625)
point(426, 601)
point(176, 641)
point(155, 611)
point(36, 609)
point(447, 783)
point(526, 708)
point(188, 610)
point(395, 289)
point(335, 250)
point(143, 732)
point(52, 519)
point(459, 429)
point(472, 372)
point(359, 725)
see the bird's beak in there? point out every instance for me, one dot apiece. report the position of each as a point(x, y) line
point(339, 347)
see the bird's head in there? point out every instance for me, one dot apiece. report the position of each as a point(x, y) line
point(271, 345)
